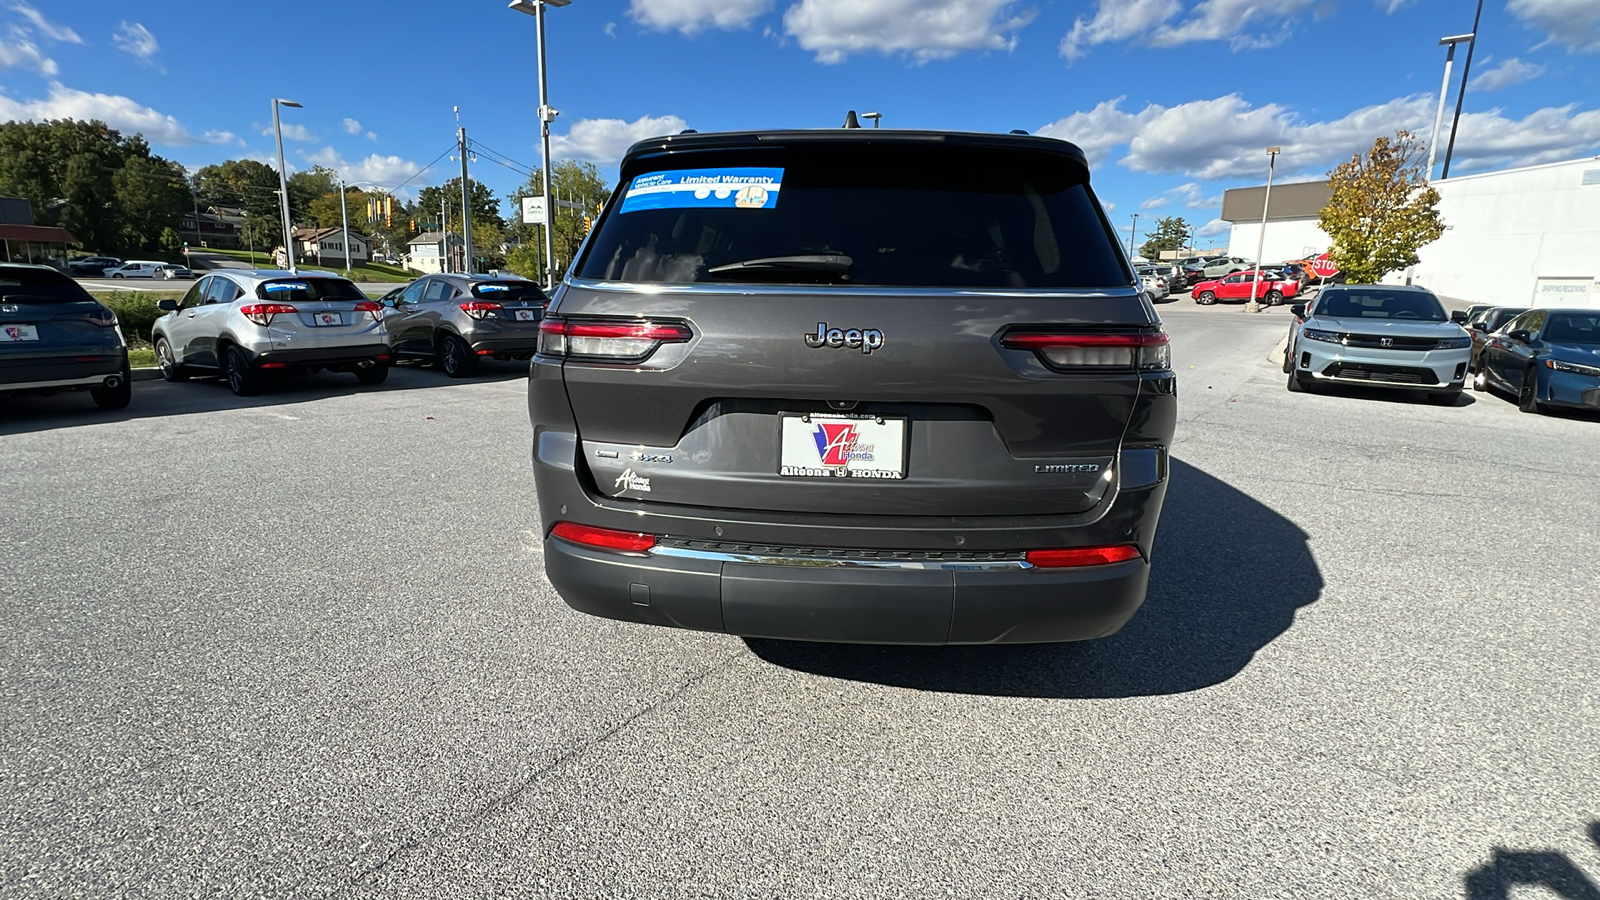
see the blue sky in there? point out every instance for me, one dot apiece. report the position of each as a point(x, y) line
point(1175, 100)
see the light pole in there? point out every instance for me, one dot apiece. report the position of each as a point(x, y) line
point(547, 115)
point(1466, 69)
point(1444, 89)
point(874, 116)
point(1131, 233)
point(283, 182)
point(1261, 240)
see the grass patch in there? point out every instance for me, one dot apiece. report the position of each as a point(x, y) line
point(141, 357)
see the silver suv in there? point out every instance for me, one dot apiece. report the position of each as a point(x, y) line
point(246, 323)
point(1380, 336)
point(460, 319)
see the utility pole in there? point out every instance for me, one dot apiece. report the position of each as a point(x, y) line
point(344, 214)
point(466, 197)
point(444, 233)
point(1466, 69)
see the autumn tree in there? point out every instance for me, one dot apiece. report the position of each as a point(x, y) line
point(1171, 233)
point(1382, 210)
point(579, 182)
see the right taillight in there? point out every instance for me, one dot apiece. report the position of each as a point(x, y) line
point(481, 309)
point(262, 313)
point(608, 340)
point(604, 538)
point(1077, 557)
point(1143, 351)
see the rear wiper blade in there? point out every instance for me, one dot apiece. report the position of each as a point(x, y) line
point(822, 263)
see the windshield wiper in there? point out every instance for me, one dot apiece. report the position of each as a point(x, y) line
point(836, 264)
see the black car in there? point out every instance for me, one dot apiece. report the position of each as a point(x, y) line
point(1484, 322)
point(1545, 357)
point(92, 266)
point(858, 385)
point(55, 337)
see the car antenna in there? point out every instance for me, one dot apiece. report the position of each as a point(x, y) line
point(850, 120)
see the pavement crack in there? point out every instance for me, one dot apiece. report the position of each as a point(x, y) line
point(519, 788)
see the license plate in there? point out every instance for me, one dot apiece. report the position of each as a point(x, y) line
point(19, 333)
point(327, 318)
point(527, 315)
point(827, 445)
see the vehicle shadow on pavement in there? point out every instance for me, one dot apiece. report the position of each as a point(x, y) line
point(1390, 395)
point(156, 398)
point(1228, 575)
point(1528, 868)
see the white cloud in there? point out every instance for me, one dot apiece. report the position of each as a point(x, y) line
point(372, 135)
point(1155, 202)
point(383, 171)
point(1489, 140)
point(694, 16)
point(1227, 137)
point(1512, 71)
point(1573, 24)
point(118, 112)
point(1101, 128)
point(1191, 195)
point(292, 131)
point(610, 29)
point(351, 126)
point(47, 28)
point(924, 29)
point(605, 140)
point(18, 52)
point(222, 137)
point(1212, 228)
point(137, 41)
point(1243, 24)
point(1108, 206)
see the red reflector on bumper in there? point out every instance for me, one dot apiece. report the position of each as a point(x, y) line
point(274, 365)
point(1072, 557)
point(604, 538)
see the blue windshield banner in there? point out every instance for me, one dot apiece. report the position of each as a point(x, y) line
point(726, 188)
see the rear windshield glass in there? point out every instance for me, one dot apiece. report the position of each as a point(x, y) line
point(898, 216)
point(1500, 317)
point(1381, 304)
point(508, 291)
point(290, 290)
point(1573, 328)
point(37, 286)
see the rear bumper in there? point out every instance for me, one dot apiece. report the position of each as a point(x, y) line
point(916, 604)
point(524, 345)
point(324, 356)
point(54, 373)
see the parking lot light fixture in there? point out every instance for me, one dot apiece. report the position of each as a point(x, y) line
point(1461, 92)
point(1131, 233)
point(1261, 239)
point(535, 8)
point(283, 182)
point(1444, 90)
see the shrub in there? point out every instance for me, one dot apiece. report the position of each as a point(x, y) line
point(136, 311)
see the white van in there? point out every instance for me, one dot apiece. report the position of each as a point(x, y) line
point(136, 268)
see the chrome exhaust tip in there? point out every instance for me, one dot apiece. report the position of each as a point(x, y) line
point(113, 381)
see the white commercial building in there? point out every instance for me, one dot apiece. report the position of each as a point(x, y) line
point(1519, 237)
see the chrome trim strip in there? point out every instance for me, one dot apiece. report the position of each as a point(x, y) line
point(840, 289)
point(829, 563)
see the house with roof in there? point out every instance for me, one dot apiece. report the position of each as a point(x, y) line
point(24, 242)
point(325, 246)
point(433, 251)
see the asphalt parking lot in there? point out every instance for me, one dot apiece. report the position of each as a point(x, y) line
point(299, 645)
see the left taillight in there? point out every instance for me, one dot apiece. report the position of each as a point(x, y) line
point(1144, 351)
point(103, 317)
point(481, 309)
point(370, 308)
point(608, 340)
point(604, 538)
point(262, 313)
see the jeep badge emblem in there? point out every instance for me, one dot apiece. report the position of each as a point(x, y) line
point(867, 339)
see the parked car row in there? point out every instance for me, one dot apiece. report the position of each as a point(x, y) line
point(1543, 357)
point(246, 324)
point(1272, 288)
point(111, 267)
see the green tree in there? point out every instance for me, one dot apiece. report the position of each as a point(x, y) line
point(579, 182)
point(1171, 233)
point(305, 187)
point(239, 183)
point(487, 226)
point(1382, 210)
point(107, 189)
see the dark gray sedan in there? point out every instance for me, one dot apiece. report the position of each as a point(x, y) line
point(460, 319)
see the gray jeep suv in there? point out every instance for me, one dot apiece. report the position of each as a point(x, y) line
point(861, 385)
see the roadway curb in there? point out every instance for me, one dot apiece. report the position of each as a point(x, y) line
point(1278, 350)
point(145, 373)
